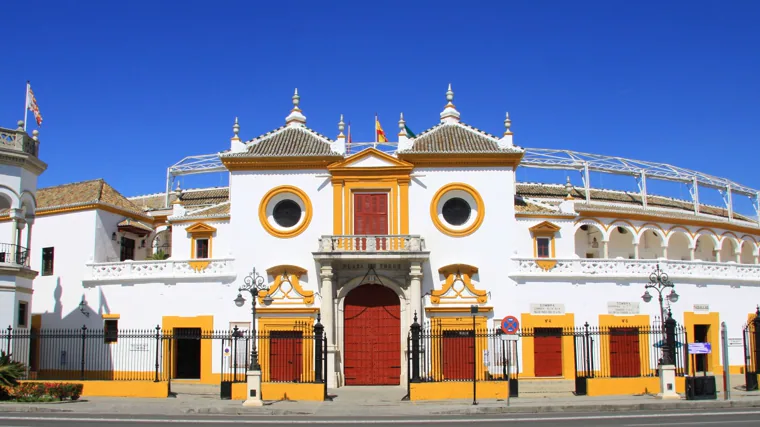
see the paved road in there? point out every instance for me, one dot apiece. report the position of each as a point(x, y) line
point(732, 418)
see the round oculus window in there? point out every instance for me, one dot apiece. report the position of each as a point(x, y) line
point(286, 213)
point(456, 211)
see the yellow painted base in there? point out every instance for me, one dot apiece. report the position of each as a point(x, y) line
point(239, 391)
point(458, 390)
point(292, 391)
point(628, 386)
point(121, 388)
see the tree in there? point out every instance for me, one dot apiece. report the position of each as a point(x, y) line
point(10, 370)
point(160, 255)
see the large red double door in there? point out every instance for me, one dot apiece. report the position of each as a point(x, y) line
point(372, 336)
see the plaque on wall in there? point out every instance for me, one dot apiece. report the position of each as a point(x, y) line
point(543, 309)
point(701, 308)
point(623, 308)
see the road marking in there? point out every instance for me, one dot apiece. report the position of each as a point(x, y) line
point(384, 421)
point(692, 423)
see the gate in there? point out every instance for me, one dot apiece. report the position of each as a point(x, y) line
point(752, 351)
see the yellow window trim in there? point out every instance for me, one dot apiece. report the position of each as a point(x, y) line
point(546, 230)
point(197, 232)
point(444, 228)
point(111, 316)
point(295, 231)
point(463, 273)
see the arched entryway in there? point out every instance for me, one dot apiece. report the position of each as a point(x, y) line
point(372, 336)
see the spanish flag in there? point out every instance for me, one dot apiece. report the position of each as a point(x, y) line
point(379, 133)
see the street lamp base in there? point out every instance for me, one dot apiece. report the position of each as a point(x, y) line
point(253, 389)
point(668, 382)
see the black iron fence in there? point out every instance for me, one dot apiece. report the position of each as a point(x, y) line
point(752, 351)
point(294, 355)
point(441, 352)
point(14, 254)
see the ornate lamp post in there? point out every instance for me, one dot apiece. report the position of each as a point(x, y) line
point(254, 283)
point(659, 281)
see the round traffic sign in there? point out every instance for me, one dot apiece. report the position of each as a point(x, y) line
point(510, 325)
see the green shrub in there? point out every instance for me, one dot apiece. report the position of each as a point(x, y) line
point(41, 392)
point(10, 370)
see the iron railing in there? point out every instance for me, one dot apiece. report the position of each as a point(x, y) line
point(295, 355)
point(752, 351)
point(14, 254)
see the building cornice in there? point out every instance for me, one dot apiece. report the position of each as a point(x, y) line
point(462, 159)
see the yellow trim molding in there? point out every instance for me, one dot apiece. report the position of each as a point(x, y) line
point(449, 310)
point(286, 288)
point(277, 163)
point(287, 310)
point(197, 232)
point(298, 229)
point(204, 323)
point(108, 208)
point(545, 230)
point(462, 159)
point(110, 316)
point(450, 295)
point(530, 321)
point(690, 319)
point(446, 229)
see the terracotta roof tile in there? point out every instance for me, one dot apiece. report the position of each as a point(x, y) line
point(456, 138)
point(190, 198)
point(137, 224)
point(526, 206)
point(83, 193)
point(288, 141)
point(216, 211)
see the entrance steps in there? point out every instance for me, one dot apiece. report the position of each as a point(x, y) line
point(181, 388)
point(546, 387)
point(368, 395)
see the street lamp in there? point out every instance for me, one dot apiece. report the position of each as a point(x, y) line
point(659, 281)
point(254, 283)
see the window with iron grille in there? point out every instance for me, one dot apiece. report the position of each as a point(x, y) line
point(110, 331)
point(47, 261)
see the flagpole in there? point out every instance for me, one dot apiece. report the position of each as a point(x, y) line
point(374, 126)
point(26, 104)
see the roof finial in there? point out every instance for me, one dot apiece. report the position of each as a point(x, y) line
point(568, 188)
point(178, 189)
point(35, 134)
point(508, 125)
point(295, 117)
point(450, 113)
point(341, 126)
point(236, 128)
point(401, 126)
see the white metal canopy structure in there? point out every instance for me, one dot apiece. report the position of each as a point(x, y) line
point(543, 158)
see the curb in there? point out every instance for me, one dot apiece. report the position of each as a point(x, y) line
point(624, 407)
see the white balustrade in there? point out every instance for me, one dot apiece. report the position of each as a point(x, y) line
point(371, 243)
point(582, 268)
point(145, 271)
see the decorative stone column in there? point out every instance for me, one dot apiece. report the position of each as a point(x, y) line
point(605, 249)
point(415, 290)
point(328, 321)
point(15, 215)
point(717, 254)
point(635, 251)
point(692, 253)
point(664, 251)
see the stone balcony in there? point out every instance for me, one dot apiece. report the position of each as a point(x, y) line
point(369, 247)
point(169, 270)
point(632, 270)
point(18, 140)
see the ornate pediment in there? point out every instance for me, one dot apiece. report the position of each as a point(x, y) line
point(370, 161)
point(200, 228)
point(545, 227)
point(286, 286)
point(458, 287)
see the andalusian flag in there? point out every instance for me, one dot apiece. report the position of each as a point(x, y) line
point(409, 133)
point(379, 133)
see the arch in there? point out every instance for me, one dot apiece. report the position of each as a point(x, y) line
point(748, 250)
point(384, 280)
point(588, 241)
point(591, 221)
point(679, 245)
point(729, 248)
point(28, 199)
point(650, 226)
point(704, 247)
point(621, 242)
point(651, 244)
point(685, 231)
point(710, 233)
point(10, 196)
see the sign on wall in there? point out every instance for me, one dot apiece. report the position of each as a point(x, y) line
point(622, 307)
point(699, 348)
point(701, 308)
point(544, 309)
point(735, 342)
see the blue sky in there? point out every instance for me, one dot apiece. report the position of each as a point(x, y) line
point(128, 88)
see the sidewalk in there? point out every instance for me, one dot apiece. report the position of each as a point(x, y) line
point(207, 404)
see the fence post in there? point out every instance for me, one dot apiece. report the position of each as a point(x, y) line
point(158, 348)
point(416, 328)
point(84, 347)
point(10, 332)
point(670, 340)
point(319, 330)
point(756, 340)
point(235, 336)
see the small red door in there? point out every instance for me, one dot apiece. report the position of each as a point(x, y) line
point(547, 351)
point(372, 336)
point(458, 355)
point(624, 352)
point(285, 356)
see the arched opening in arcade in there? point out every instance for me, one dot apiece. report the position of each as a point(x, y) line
point(679, 246)
point(621, 242)
point(588, 241)
point(372, 336)
point(651, 244)
point(704, 248)
point(729, 249)
point(748, 252)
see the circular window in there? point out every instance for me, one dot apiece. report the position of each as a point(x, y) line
point(457, 210)
point(285, 211)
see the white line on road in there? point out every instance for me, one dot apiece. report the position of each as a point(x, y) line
point(691, 423)
point(382, 421)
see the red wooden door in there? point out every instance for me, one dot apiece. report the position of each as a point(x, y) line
point(547, 352)
point(370, 217)
point(285, 356)
point(458, 355)
point(624, 352)
point(372, 336)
